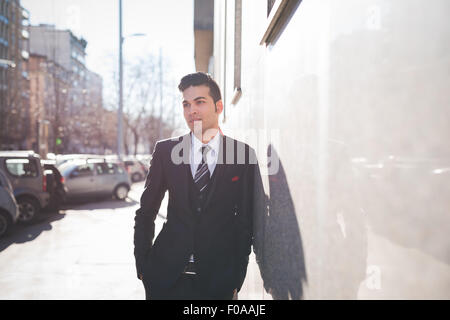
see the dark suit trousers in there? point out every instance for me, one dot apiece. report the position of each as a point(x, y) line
point(184, 289)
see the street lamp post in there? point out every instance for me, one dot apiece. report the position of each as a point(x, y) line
point(160, 95)
point(120, 110)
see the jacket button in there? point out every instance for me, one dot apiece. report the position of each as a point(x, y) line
point(199, 209)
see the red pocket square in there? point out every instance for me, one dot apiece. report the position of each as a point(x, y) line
point(235, 179)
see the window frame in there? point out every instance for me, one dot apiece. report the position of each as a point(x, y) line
point(83, 175)
point(30, 161)
point(237, 81)
point(108, 166)
point(278, 16)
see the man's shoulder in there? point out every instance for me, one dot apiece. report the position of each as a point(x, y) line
point(170, 142)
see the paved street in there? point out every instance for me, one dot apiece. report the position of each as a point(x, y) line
point(83, 252)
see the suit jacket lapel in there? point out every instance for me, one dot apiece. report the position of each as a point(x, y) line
point(184, 169)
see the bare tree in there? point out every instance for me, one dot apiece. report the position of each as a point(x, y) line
point(141, 97)
point(141, 114)
point(57, 106)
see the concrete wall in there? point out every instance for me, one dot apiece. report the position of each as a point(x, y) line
point(350, 105)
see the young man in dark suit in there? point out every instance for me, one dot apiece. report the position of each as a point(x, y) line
point(202, 250)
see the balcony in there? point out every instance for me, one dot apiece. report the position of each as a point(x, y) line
point(25, 14)
point(25, 34)
point(25, 55)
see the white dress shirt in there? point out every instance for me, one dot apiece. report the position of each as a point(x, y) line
point(211, 157)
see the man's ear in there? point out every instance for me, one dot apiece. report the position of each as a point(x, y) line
point(219, 106)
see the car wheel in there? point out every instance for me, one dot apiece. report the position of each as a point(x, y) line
point(5, 223)
point(121, 192)
point(29, 209)
point(136, 177)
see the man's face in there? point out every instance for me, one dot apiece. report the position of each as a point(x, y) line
point(199, 108)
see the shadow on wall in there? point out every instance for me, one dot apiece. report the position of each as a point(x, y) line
point(277, 240)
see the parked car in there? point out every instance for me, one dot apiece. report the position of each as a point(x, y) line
point(63, 158)
point(55, 185)
point(145, 160)
point(135, 169)
point(136, 166)
point(24, 171)
point(94, 177)
point(9, 209)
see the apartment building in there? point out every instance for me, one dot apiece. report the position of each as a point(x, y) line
point(73, 93)
point(14, 81)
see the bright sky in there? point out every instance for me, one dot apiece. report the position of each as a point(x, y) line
point(167, 24)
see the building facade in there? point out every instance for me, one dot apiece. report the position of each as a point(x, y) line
point(14, 80)
point(50, 99)
point(346, 105)
point(72, 93)
point(60, 46)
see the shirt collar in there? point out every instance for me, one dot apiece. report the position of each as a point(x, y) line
point(214, 143)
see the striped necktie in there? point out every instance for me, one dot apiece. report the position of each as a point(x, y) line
point(202, 175)
point(201, 179)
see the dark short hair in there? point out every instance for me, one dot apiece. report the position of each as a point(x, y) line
point(201, 79)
